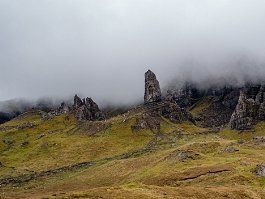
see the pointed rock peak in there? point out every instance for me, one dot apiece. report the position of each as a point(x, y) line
point(152, 88)
point(87, 109)
point(77, 101)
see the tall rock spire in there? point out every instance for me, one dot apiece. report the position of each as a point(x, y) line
point(152, 88)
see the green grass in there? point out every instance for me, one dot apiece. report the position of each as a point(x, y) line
point(201, 105)
point(149, 174)
point(258, 130)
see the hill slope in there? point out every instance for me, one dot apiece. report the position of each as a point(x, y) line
point(64, 158)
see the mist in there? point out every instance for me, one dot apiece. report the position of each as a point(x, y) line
point(101, 49)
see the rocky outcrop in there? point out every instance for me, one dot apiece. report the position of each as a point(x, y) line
point(77, 102)
point(166, 107)
point(260, 99)
point(216, 115)
point(87, 109)
point(185, 96)
point(147, 121)
point(250, 108)
point(245, 113)
point(152, 88)
point(174, 113)
point(62, 109)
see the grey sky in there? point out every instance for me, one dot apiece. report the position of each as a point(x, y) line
point(101, 48)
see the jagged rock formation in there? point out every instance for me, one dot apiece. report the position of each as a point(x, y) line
point(260, 99)
point(62, 109)
point(152, 88)
point(154, 103)
point(77, 102)
point(226, 104)
point(250, 108)
point(245, 111)
point(87, 109)
point(219, 103)
point(152, 112)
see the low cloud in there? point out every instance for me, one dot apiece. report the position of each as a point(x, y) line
point(102, 48)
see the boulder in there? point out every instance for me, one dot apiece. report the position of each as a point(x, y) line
point(152, 88)
point(260, 170)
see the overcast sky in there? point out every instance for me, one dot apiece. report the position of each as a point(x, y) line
point(101, 48)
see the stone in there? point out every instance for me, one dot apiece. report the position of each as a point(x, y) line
point(260, 97)
point(182, 155)
point(220, 101)
point(245, 113)
point(259, 139)
point(87, 109)
point(174, 113)
point(261, 112)
point(25, 143)
point(8, 142)
point(46, 116)
point(152, 88)
point(25, 125)
point(77, 102)
point(230, 99)
point(260, 170)
point(63, 109)
point(229, 149)
point(185, 96)
point(148, 121)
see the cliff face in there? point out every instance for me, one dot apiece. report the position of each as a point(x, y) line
point(250, 108)
point(152, 88)
point(240, 107)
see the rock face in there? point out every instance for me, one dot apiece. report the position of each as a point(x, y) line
point(250, 108)
point(77, 102)
point(152, 88)
point(148, 121)
point(62, 109)
point(87, 109)
point(166, 107)
point(260, 99)
point(244, 114)
point(184, 96)
point(174, 113)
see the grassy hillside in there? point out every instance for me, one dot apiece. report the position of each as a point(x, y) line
point(63, 158)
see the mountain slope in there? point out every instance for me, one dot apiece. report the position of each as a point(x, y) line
point(64, 158)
